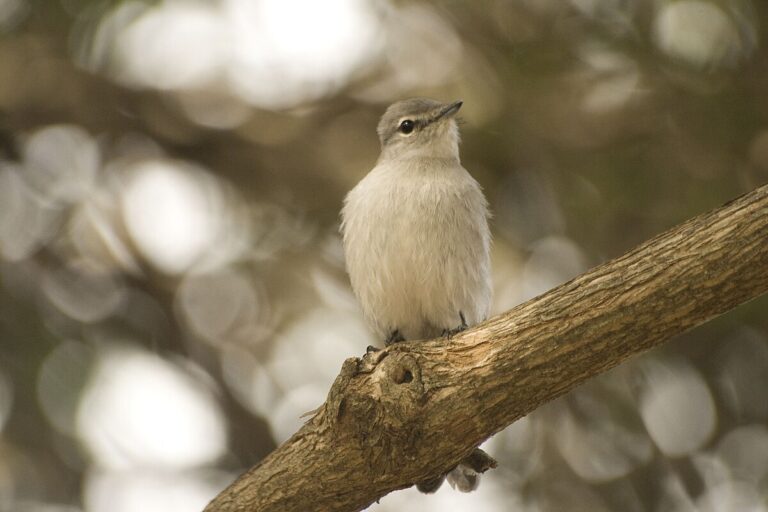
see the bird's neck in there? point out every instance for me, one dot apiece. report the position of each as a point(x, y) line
point(433, 154)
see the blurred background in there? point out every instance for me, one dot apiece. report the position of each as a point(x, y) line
point(172, 286)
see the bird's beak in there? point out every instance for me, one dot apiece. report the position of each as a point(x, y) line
point(448, 110)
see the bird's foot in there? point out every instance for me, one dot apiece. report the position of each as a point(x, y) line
point(394, 337)
point(449, 333)
point(465, 477)
point(430, 486)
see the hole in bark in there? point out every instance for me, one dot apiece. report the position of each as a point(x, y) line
point(403, 376)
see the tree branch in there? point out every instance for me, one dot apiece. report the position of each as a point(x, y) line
point(415, 409)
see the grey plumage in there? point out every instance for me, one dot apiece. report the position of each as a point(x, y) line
point(415, 231)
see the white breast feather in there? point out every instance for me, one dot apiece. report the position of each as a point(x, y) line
point(416, 241)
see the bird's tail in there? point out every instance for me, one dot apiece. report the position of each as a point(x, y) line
point(463, 478)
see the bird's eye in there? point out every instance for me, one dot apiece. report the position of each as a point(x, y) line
point(406, 126)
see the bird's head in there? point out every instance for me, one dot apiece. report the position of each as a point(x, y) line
point(420, 127)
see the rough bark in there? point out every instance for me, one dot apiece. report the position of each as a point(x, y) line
point(415, 409)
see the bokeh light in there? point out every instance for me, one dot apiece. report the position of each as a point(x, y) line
point(83, 292)
point(286, 52)
point(139, 410)
point(149, 491)
point(702, 33)
point(744, 450)
point(26, 221)
point(175, 214)
point(152, 50)
point(11, 11)
point(677, 408)
point(61, 163)
point(224, 306)
point(597, 444)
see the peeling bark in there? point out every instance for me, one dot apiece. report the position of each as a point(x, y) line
point(415, 409)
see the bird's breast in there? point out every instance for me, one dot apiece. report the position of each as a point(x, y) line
point(416, 222)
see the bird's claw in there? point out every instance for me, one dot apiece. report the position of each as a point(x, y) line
point(449, 333)
point(394, 337)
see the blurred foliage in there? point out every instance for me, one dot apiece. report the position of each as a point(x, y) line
point(172, 288)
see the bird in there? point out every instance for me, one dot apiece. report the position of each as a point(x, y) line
point(416, 237)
